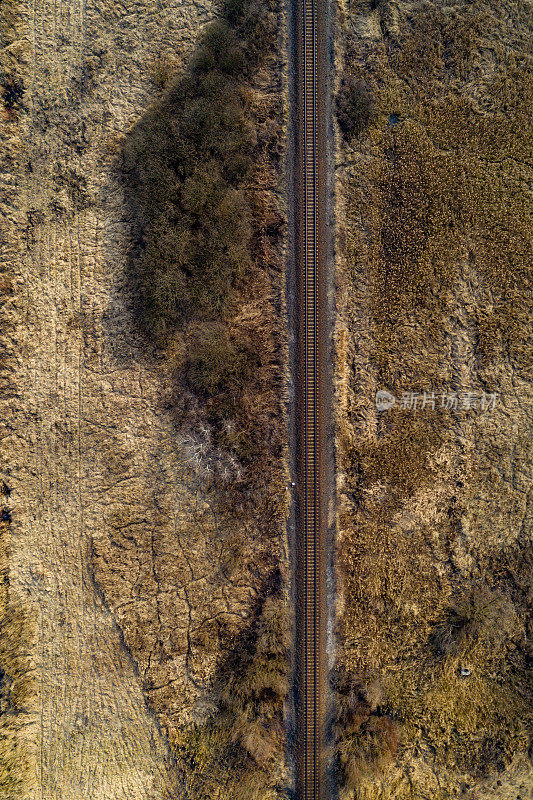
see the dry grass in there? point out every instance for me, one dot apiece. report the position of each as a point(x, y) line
point(17, 686)
point(443, 193)
point(198, 170)
point(446, 182)
point(236, 752)
point(368, 741)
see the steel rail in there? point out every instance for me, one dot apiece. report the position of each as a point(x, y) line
point(311, 780)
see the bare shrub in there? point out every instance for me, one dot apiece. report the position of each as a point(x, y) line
point(218, 363)
point(366, 741)
point(354, 107)
point(478, 614)
point(245, 737)
point(368, 752)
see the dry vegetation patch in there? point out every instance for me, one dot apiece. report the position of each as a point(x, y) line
point(199, 170)
point(17, 690)
point(200, 175)
point(232, 755)
point(17, 679)
point(434, 292)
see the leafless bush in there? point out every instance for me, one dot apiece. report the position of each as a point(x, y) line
point(354, 107)
point(477, 614)
point(246, 736)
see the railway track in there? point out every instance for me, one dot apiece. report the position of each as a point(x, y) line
point(310, 251)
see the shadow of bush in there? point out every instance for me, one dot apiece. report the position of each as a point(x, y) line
point(239, 747)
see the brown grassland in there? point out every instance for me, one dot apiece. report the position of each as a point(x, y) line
point(434, 110)
point(17, 682)
point(200, 175)
point(199, 170)
point(17, 679)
